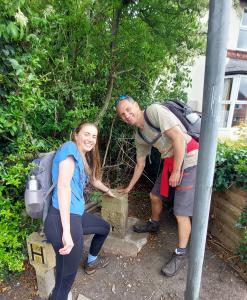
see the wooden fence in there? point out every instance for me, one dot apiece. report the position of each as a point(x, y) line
point(226, 208)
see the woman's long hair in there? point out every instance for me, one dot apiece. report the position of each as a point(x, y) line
point(92, 157)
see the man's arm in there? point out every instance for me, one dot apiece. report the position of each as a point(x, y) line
point(139, 167)
point(178, 142)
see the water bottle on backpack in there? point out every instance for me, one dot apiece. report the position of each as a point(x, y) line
point(33, 183)
point(39, 187)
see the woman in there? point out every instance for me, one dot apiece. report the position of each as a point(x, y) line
point(75, 163)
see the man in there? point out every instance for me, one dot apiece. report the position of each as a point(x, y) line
point(179, 152)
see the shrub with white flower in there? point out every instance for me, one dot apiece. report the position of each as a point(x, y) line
point(48, 11)
point(21, 18)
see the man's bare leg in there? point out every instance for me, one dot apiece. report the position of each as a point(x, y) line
point(184, 229)
point(157, 205)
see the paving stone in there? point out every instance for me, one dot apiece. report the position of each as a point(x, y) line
point(82, 297)
point(70, 296)
point(130, 245)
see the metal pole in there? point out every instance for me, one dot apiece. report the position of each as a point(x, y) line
point(219, 11)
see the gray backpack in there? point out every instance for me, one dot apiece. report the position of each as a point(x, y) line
point(39, 187)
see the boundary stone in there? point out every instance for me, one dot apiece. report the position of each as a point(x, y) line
point(42, 258)
point(115, 212)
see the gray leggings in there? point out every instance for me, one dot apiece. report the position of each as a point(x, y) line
point(67, 265)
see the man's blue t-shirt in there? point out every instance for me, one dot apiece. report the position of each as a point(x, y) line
point(78, 181)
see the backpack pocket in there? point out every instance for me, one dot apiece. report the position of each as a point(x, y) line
point(34, 202)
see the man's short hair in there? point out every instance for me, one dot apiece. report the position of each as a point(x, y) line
point(123, 97)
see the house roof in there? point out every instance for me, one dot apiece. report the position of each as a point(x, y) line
point(236, 66)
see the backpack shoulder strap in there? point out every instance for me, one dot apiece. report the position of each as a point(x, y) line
point(146, 140)
point(149, 122)
point(146, 118)
point(142, 136)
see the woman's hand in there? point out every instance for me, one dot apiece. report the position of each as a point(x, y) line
point(67, 243)
point(98, 184)
point(110, 193)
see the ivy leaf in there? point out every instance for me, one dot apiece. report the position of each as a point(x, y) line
point(32, 37)
point(12, 30)
point(14, 63)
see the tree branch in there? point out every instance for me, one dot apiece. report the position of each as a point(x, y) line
point(109, 141)
point(123, 71)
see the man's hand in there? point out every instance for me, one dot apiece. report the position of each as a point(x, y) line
point(139, 167)
point(124, 190)
point(175, 178)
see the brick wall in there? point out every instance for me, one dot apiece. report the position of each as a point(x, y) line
point(237, 54)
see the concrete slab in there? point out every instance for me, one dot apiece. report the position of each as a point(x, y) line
point(131, 245)
point(81, 297)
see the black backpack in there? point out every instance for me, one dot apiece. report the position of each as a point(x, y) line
point(189, 118)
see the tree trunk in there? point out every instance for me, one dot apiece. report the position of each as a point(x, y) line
point(112, 74)
point(107, 99)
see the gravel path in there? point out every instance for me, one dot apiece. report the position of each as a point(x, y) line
point(139, 278)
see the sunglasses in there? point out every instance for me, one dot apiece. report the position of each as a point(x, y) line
point(119, 99)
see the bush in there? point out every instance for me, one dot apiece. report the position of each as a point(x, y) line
point(231, 168)
point(14, 224)
point(58, 64)
point(242, 225)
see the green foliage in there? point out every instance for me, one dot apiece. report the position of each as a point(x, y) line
point(58, 62)
point(231, 167)
point(14, 224)
point(242, 224)
point(95, 196)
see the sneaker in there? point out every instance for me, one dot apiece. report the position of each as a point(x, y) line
point(69, 296)
point(147, 227)
point(99, 263)
point(174, 264)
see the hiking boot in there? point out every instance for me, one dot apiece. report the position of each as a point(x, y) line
point(176, 262)
point(149, 226)
point(99, 263)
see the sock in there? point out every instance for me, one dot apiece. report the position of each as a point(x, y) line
point(155, 222)
point(180, 251)
point(91, 258)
